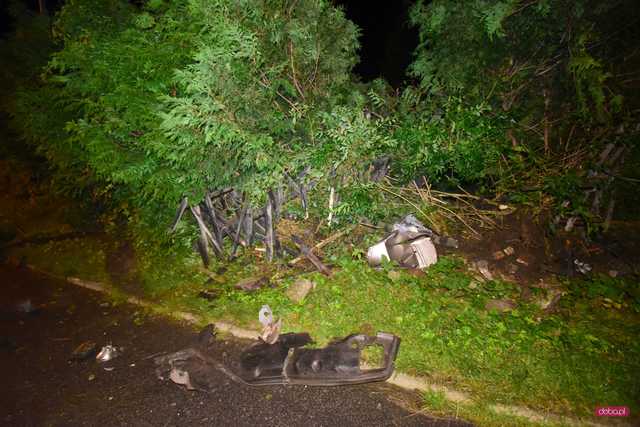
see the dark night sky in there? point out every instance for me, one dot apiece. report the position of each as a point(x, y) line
point(387, 42)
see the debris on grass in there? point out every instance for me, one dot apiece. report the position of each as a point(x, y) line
point(307, 252)
point(482, 267)
point(251, 284)
point(581, 267)
point(409, 244)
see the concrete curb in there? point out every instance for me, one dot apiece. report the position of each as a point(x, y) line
point(399, 379)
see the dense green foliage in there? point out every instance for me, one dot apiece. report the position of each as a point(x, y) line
point(176, 99)
point(518, 55)
point(148, 104)
point(523, 93)
point(140, 106)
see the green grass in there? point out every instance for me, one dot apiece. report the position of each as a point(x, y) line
point(586, 355)
point(82, 257)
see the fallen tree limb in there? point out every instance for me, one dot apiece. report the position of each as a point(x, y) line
point(323, 243)
point(310, 256)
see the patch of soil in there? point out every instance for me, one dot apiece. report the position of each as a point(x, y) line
point(523, 249)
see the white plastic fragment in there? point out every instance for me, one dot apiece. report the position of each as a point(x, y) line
point(378, 253)
point(581, 267)
point(107, 353)
point(425, 252)
point(265, 315)
point(271, 328)
point(410, 245)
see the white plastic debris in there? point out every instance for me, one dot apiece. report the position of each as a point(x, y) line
point(425, 252)
point(482, 267)
point(181, 377)
point(409, 245)
point(265, 315)
point(410, 224)
point(508, 251)
point(108, 352)
point(271, 328)
point(378, 253)
point(581, 267)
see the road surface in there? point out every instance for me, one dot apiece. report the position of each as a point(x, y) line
point(42, 386)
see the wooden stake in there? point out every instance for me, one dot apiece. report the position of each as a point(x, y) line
point(243, 213)
point(269, 240)
point(184, 203)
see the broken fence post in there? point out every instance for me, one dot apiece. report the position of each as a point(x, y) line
point(184, 203)
point(306, 251)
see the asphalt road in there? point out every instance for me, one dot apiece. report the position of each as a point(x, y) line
point(42, 386)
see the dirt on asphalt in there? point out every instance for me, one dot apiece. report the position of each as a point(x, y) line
point(41, 385)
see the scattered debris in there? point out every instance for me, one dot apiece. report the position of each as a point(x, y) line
point(181, 377)
point(84, 351)
point(27, 307)
point(108, 352)
point(300, 289)
point(324, 243)
point(482, 267)
point(207, 336)
point(271, 328)
point(581, 267)
point(508, 251)
point(570, 224)
point(306, 251)
point(512, 268)
point(210, 295)
point(410, 224)
point(500, 305)
point(409, 245)
point(252, 284)
point(549, 302)
point(287, 361)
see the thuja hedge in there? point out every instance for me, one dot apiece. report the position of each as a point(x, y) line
point(142, 106)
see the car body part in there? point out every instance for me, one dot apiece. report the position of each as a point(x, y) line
point(409, 249)
point(287, 361)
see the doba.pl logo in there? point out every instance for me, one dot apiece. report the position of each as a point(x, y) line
point(612, 411)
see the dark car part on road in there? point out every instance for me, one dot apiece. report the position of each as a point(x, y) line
point(287, 361)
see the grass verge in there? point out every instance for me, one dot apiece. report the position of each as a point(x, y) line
point(584, 356)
